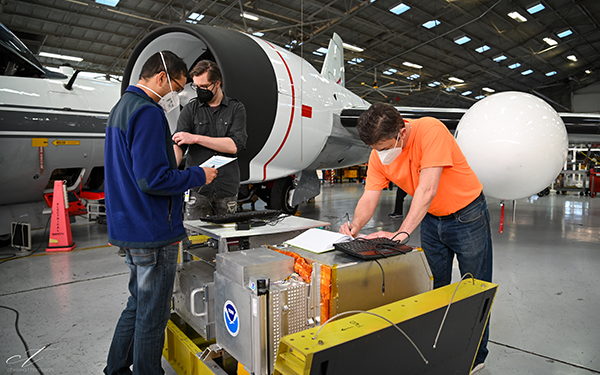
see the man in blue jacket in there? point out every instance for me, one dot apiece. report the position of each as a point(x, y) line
point(143, 190)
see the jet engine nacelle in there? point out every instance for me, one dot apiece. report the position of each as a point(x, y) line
point(293, 121)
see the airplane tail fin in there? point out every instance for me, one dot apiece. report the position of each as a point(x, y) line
point(333, 66)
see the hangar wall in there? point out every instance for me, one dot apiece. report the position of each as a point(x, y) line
point(587, 99)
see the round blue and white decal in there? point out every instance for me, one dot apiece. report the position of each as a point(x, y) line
point(231, 317)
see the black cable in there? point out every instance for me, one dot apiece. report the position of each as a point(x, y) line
point(276, 219)
point(22, 339)
point(34, 251)
point(405, 241)
point(374, 242)
point(382, 273)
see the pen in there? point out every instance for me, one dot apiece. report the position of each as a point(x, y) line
point(348, 222)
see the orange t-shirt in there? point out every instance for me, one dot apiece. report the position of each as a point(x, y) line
point(429, 144)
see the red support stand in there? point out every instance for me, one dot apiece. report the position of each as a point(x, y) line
point(501, 217)
point(60, 227)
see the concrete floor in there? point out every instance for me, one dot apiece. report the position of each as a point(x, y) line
point(544, 320)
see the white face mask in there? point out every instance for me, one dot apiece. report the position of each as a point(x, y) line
point(170, 101)
point(388, 156)
point(166, 102)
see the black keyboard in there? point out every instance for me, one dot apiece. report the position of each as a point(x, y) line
point(373, 248)
point(240, 217)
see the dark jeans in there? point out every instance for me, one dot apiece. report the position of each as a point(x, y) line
point(139, 337)
point(467, 235)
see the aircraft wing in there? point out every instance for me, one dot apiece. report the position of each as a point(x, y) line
point(581, 127)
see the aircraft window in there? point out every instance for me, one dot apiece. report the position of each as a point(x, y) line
point(13, 65)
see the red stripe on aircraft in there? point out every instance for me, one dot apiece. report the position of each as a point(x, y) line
point(291, 118)
point(306, 111)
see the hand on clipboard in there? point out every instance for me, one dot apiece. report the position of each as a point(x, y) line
point(211, 165)
point(210, 174)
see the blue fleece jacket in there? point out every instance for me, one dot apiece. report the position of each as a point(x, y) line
point(143, 186)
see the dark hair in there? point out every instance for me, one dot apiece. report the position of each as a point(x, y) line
point(379, 123)
point(214, 73)
point(154, 65)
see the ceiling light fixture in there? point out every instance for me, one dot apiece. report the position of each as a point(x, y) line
point(527, 72)
point(467, 93)
point(488, 89)
point(454, 79)
point(564, 33)
point(461, 40)
point(550, 41)
point(500, 58)
point(61, 57)
point(482, 48)
point(352, 47)
point(249, 16)
point(517, 17)
point(112, 3)
point(534, 8)
point(431, 24)
point(572, 58)
point(416, 66)
point(588, 72)
point(399, 9)
point(549, 74)
point(514, 66)
point(194, 18)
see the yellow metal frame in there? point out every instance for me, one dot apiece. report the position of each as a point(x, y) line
point(296, 351)
point(183, 353)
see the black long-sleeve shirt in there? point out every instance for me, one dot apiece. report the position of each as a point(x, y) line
point(226, 120)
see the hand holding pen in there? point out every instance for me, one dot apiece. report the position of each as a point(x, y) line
point(347, 228)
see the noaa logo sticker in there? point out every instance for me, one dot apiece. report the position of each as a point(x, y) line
point(232, 319)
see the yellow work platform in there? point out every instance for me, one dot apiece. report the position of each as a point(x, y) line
point(420, 335)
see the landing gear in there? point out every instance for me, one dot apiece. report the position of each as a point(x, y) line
point(280, 196)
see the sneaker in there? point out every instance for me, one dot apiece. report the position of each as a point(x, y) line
point(477, 367)
point(396, 216)
point(121, 252)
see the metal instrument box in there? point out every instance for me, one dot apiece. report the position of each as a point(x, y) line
point(357, 284)
point(255, 306)
point(240, 265)
point(194, 297)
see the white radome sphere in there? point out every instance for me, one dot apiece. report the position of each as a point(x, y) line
point(515, 142)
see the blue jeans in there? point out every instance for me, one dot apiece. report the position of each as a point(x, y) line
point(139, 337)
point(466, 234)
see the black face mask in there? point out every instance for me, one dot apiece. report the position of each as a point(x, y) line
point(204, 95)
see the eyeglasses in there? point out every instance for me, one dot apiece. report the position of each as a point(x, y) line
point(206, 87)
point(178, 84)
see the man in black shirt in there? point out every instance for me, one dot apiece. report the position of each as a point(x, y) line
point(211, 124)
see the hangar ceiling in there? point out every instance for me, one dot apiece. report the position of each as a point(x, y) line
point(412, 58)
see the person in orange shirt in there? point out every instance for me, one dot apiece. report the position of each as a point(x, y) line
point(423, 159)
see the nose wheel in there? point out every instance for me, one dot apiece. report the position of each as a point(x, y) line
point(281, 195)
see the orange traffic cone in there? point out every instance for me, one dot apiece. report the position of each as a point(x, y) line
point(60, 227)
